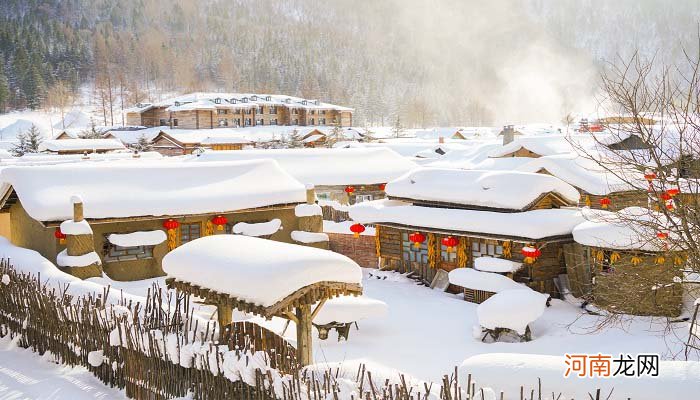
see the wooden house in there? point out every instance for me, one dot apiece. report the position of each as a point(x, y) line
point(136, 212)
point(340, 176)
point(222, 110)
point(599, 188)
point(625, 267)
point(80, 146)
point(174, 142)
point(437, 218)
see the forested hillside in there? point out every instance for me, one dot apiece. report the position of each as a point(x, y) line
point(385, 58)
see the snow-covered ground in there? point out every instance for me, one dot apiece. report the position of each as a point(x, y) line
point(26, 375)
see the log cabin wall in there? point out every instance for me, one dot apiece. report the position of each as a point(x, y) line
point(648, 288)
point(618, 200)
point(139, 263)
point(394, 254)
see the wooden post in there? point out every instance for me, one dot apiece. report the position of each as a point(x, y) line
point(77, 211)
point(223, 313)
point(310, 194)
point(304, 341)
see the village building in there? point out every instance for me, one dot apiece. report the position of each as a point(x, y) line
point(221, 110)
point(133, 213)
point(621, 264)
point(176, 142)
point(80, 146)
point(599, 188)
point(442, 219)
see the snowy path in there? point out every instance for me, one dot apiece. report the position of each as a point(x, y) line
point(26, 375)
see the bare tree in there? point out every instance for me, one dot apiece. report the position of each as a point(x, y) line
point(652, 146)
point(60, 97)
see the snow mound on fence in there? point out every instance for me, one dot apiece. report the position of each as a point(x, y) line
point(256, 270)
point(676, 380)
point(259, 228)
point(141, 238)
point(345, 309)
point(477, 280)
point(511, 309)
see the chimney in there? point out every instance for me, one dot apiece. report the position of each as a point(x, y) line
point(508, 134)
point(441, 139)
point(310, 194)
point(77, 208)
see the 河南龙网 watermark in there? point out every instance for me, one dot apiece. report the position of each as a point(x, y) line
point(607, 365)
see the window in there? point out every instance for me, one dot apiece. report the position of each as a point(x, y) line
point(313, 112)
point(412, 253)
point(486, 248)
point(217, 101)
point(273, 110)
point(248, 122)
point(295, 111)
point(311, 121)
point(322, 112)
point(249, 111)
point(163, 122)
point(363, 197)
point(190, 232)
point(223, 122)
point(237, 121)
point(260, 122)
point(273, 121)
point(221, 111)
point(295, 122)
point(114, 253)
point(260, 110)
point(321, 121)
point(175, 122)
point(323, 195)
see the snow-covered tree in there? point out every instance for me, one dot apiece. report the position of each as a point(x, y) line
point(294, 140)
point(28, 142)
point(143, 144)
point(397, 128)
point(335, 135)
point(91, 132)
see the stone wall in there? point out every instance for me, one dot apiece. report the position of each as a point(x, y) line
point(362, 249)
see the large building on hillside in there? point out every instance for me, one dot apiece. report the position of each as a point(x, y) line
point(219, 110)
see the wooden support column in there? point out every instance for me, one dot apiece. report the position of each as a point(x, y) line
point(310, 194)
point(223, 314)
point(304, 340)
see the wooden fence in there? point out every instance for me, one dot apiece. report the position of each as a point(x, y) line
point(143, 349)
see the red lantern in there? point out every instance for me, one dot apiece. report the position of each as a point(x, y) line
point(59, 235)
point(673, 192)
point(665, 196)
point(662, 235)
point(531, 254)
point(670, 206)
point(349, 189)
point(416, 238)
point(450, 242)
point(356, 229)
point(650, 176)
point(382, 186)
point(605, 202)
point(219, 221)
point(171, 224)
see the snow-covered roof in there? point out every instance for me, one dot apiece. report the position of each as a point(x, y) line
point(581, 172)
point(257, 271)
point(208, 136)
point(326, 166)
point(535, 224)
point(58, 145)
point(632, 228)
point(472, 279)
point(214, 100)
point(133, 136)
point(47, 159)
point(493, 189)
point(150, 188)
point(493, 264)
point(541, 145)
point(345, 309)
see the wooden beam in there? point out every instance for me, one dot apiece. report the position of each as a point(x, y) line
point(317, 309)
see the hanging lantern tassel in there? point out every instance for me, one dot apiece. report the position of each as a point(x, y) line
point(208, 229)
point(377, 241)
point(357, 229)
point(507, 252)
